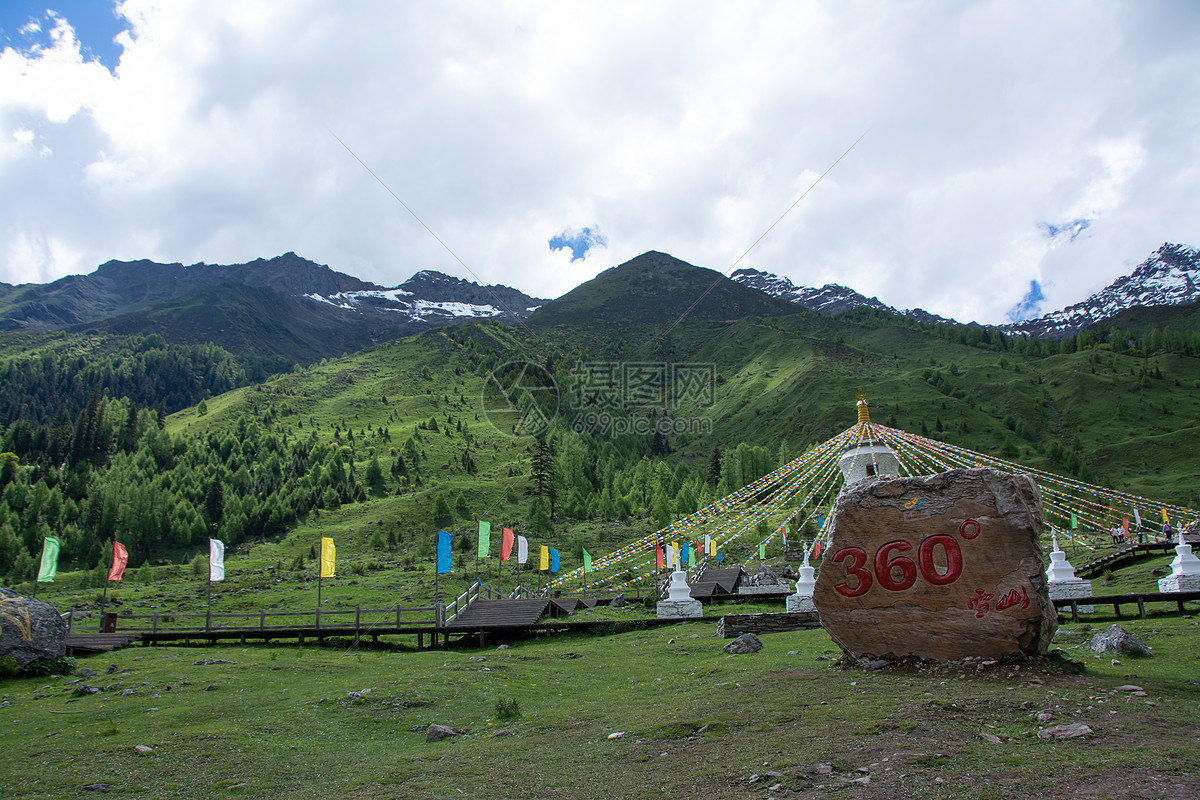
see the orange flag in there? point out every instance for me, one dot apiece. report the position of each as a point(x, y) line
point(506, 545)
point(120, 559)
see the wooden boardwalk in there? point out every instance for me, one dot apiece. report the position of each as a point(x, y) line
point(79, 643)
point(502, 613)
point(715, 583)
point(1118, 600)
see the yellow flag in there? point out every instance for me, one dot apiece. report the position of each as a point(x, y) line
point(327, 557)
point(1165, 515)
point(545, 561)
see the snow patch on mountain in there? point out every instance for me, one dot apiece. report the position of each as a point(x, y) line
point(831, 299)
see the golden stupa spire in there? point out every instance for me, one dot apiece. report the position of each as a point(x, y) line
point(864, 415)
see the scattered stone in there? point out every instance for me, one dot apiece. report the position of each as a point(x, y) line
point(95, 787)
point(755, 778)
point(703, 729)
point(127, 693)
point(210, 688)
point(618, 601)
point(1129, 687)
point(112, 668)
point(1118, 640)
point(504, 647)
point(83, 689)
point(793, 652)
point(746, 643)
point(823, 768)
point(1071, 731)
point(1044, 716)
point(990, 737)
point(502, 732)
point(616, 735)
point(436, 733)
point(875, 664)
point(142, 749)
point(204, 662)
point(84, 672)
point(776, 788)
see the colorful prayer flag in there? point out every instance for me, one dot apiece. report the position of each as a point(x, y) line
point(708, 551)
point(522, 550)
point(587, 562)
point(506, 544)
point(658, 556)
point(49, 567)
point(120, 559)
point(1074, 522)
point(544, 560)
point(485, 539)
point(762, 550)
point(1137, 518)
point(683, 556)
point(553, 560)
point(328, 557)
point(216, 560)
point(444, 557)
point(1165, 514)
point(691, 557)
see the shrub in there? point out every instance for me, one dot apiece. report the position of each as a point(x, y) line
point(508, 709)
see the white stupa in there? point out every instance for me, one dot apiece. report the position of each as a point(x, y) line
point(679, 603)
point(1185, 570)
point(802, 600)
point(868, 458)
point(1061, 581)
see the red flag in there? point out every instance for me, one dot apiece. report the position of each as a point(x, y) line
point(817, 549)
point(120, 558)
point(658, 556)
point(506, 545)
point(1125, 524)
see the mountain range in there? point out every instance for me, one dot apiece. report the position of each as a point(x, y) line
point(285, 307)
point(290, 309)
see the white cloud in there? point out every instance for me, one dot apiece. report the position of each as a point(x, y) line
point(675, 126)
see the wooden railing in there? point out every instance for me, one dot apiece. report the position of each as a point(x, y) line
point(464, 600)
point(364, 619)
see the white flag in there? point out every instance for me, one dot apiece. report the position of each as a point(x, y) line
point(522, 549)
point(1137, 518)
point(216, 560)
point(707, 544)
point(671, 557)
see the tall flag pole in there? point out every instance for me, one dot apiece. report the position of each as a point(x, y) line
point(543, 561)
point(506, 547)
point(485, 544)
point(522, 555)
point(216, 572)
point(328, 559)
point(442, 566)
point(115, 573)
point(49, 566)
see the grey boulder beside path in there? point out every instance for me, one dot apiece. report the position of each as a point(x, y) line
point(30, 629)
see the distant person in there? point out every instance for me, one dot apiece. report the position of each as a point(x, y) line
point(1141, 534)
point(1168, 531)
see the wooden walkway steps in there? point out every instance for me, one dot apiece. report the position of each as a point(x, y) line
point(502, 613)
point(79, 643)
point(1122, 557)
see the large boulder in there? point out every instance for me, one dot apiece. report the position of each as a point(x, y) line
point(941, 567)
point(30, 629)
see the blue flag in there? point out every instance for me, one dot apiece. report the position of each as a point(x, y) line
point(553, 560)
point(683, 556)
point(443, 552)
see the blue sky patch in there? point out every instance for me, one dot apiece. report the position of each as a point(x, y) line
point(25, 26)
point(579, 242)
point(1030, 306)
point(1069, 230)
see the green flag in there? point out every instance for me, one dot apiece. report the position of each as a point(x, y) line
point(587, 562)
point(49, 560)
point(1074, 522)
point(762, 550)
point(485, 538)
point(691, 556)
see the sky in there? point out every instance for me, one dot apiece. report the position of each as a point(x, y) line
point(985, 161)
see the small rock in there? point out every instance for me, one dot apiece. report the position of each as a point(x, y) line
point(823, 768)
point(95, 787)
point(616, 735)
point(204, 662)
point(127, 693)
point(776, 788)
point(670, 641)
point(85, 673)
point(618, 601)
point(210, 688)
point(1071, 731)
point(990, 737)
point(435, 733)
point(112, 668)
point(703, 729)
point(875, 664)
point(504, 647)
point(1129, 687)
point(793, 652)
point(755, 778)
point(1044, 716)
point(502, 732)
point(746, 643)
point(1118, 640)
point(142, 749)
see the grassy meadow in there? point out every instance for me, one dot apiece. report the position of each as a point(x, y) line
point(659, 711)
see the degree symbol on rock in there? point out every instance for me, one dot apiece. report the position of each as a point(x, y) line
point(969, 529)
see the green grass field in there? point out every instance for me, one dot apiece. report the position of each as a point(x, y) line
point(660, 711)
